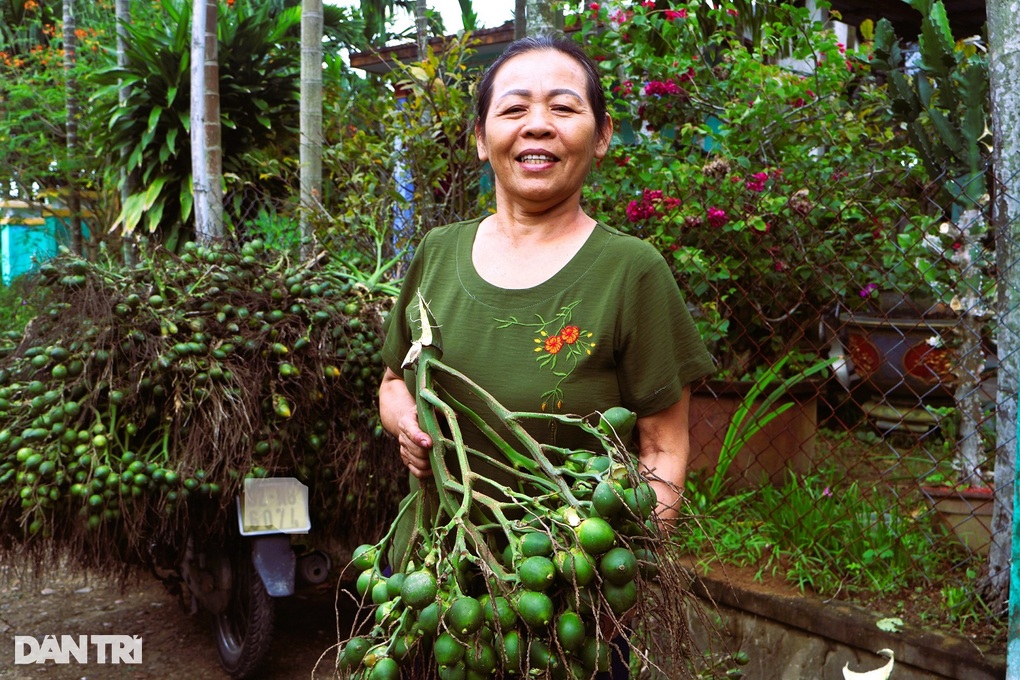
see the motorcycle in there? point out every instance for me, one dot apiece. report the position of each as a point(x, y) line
point(237, 576)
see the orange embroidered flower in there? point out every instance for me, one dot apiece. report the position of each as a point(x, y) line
point(553, 344)
point(570, 334)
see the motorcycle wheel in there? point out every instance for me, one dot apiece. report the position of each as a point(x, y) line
point(244, 630)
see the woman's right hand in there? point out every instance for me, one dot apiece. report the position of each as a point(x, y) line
point(415, 445)
point(399, 416)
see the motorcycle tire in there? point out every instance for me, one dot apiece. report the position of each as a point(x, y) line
point(244, 630)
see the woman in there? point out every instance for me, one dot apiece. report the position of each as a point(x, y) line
point(541, 305)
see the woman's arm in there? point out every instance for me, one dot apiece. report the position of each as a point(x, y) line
point(663, 451)
point(399, 416)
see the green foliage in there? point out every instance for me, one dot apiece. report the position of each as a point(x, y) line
point(19, 302)
point(409, 162)
point(820, 532)
point(33, 113)
point(258, 103)
point(944, 101)
point(757, 409)
point(770, 175)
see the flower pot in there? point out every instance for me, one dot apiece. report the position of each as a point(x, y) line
point(785, 444)
point(967, 513)
point(899, 365)
point(902, 359)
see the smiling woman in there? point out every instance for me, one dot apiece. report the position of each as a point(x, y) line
point(545, 308)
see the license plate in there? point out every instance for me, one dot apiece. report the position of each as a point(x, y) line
point(277, 505)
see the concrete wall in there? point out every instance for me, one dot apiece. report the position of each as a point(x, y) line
point(789, 637)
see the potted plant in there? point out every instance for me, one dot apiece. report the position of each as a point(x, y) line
point(962, 499)
point(942, 101)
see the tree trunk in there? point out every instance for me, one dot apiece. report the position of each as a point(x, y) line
point(72, 111)
point(421, 28)
point(206, 152)
point(1004, 75)
point(543, 19)
point(520, 19)
point(311, 119)
point(127, 180)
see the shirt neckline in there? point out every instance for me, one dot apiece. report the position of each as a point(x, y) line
point(487, 293)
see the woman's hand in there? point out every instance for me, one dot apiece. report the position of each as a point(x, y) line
point(399, 416)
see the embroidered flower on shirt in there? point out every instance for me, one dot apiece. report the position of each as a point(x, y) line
point(560, 345)
point(554, 344)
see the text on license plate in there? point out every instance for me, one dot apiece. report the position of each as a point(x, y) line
point(273, 505)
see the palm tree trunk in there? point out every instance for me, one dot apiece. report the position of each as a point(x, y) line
point(206, 152)
point(127, 180)
point(311, 119)
point(72, 111)
point(421, 26)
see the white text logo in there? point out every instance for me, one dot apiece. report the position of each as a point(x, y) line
point(81, 648)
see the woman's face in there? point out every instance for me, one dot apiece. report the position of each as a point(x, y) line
point(540, 135)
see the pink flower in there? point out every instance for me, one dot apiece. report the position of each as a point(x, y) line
point(757, 182)
point(868, 290)
point(660, 88)
point(717, 217)
point(624, 89)
point(732, 12)
point(673, 14)
point(594, 7)
point(648, 4)
point(637, 212)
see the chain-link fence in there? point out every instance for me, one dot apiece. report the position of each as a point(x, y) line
point(874, 478)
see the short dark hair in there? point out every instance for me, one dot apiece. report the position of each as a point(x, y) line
point(593, 81)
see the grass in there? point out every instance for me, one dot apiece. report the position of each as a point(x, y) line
point(858, 540)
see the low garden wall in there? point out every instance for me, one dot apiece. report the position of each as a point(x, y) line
point(794, 636)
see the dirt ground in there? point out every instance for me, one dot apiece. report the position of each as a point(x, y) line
point(175, 644)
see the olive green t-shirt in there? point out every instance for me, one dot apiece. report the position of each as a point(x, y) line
point(609, 329)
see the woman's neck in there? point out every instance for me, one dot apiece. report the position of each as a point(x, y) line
point(514, 253)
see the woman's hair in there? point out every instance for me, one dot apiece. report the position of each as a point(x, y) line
point(593, 82)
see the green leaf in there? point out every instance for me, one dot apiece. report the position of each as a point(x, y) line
point(154, 116)
point(936, 41)
point(153, 192)
point(949, 135)
point(131, 214)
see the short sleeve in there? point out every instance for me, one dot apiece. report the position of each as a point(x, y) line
point(660, 350)
point(397, 327)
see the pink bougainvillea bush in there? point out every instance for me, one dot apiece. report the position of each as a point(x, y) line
point(762, 157)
